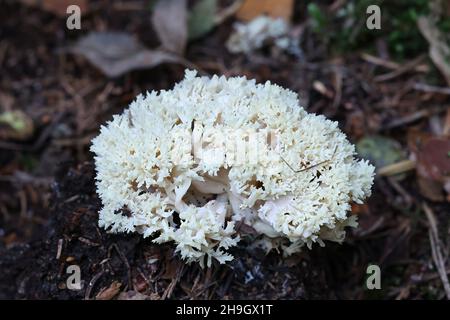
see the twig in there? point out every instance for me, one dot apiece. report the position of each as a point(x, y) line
point(396, 168)
point(398, 187)
point(168, 292)
point(310, 167)
point(431, 89)
point(403, 69)
point(88, 242)
point(92, 284)
point(436, 248)
point(228, 11)
point(380, 61)
point(60, 245)
point(125, 261)
point(410, 118)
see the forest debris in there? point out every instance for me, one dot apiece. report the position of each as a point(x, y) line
point(15, 125)
point(436, 250)
point(140, 282)
point(439, 50)
point(88, 242)
point(175, 25)
point(58, 7)
point(228, 11)
point(396, 168)
point(59, 250)
point(433, 163)
point(116, 53)
point(169, 20)
point(446, 127)
point(169, 290)
point(385, 153)
point(434, 159)
point(380, 61)
point(390, 64)
point(110, 292)
point(201, 18)
point(6, 99)
point(412, 117)
point(253, 35)
point(410, 65)
point(273, 8)
point(322, 89)
point(430, 189)
point(124, 260)
point(134, 295)
point(92, 283)
point(431, 89)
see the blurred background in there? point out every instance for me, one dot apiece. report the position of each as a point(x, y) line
point(383, 74)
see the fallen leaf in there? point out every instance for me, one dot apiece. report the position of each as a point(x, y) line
point(251, 9)
point(432, 163)
point(170, 22)
point(416, 139)
point(110, 292)
point(381, 151)
point(430, 189)
point(15, 125)
point(439, 50)
point(433, 159)
point(116, 53)
point(202, 18)
point(358, 209)
point(140, 283)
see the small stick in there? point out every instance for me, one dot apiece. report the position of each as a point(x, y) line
point(436, 250)
point(60, 245)
point(310, 167)
point(396, 168)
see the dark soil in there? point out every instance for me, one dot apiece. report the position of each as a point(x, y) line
point(33, 271)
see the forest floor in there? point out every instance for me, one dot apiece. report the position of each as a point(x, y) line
point(49, 207)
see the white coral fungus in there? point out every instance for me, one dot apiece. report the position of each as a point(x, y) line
point(192, 164)
point(254, 34)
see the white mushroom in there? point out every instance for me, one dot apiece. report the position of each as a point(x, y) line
point(186, 165)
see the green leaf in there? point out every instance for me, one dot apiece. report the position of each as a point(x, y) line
point(15, 125)
point(202, 18)
point(318, 18)
point(379, 150)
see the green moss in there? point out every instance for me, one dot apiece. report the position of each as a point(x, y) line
point(346, 30)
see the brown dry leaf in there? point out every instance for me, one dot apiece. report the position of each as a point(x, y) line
point(171, 270)
point(416, 139)
point(439, 51)
point(430, 189)
point(433, 167)
point(433, 159)
point(251, 9)
point(358, 209)
point(110, 292)
point(58, 7)
point(170, 22)
point(116, 53)
point(245, 229)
